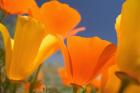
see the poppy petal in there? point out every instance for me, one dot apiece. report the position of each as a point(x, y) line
point(59, 18)
point(27, 39)
point(84, 53)
point(128, 38)
point(17, 6)
point(7, 44)
point(49, 45)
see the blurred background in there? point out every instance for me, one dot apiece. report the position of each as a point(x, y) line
point(98, 16)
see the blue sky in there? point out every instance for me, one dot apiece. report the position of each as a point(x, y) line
point(98, 16)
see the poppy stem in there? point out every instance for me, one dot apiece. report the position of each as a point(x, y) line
point(33, 81)
point(76, 89)
point(14, 88)
point(84, 91)
point(124, 84)
point(3, 15)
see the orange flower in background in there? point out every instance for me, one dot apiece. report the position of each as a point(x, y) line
point(84, 59)
point(17, 6)
point(59, 18)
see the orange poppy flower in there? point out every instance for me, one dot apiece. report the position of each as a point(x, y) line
point(84, 59)
point(17, 6)
point(59, 18)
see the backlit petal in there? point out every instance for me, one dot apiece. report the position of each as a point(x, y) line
point(84, 54)
point(129, 37)
point(28, 37)
point(59, 18)
point(17, 6)
point(49, 45)
point(106, 59)
point(7, 44)
point(111, 83)
point(132, 89)
point(118, 21)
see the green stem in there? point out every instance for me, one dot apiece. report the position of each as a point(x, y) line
point(75, 89)
point(34, 79)
point(3, 16)
point(14, 88)
point(6, 85)
point(83, 91)
point(123, 86)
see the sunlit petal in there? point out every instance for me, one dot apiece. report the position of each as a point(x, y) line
point(17, 6)
point(128, 38)
point(28, 37)
point(7, 45)
point(84, 53)
point(49, 45)
point(58, 17)
point(110, 82)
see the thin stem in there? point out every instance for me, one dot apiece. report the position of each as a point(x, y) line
point(124, 84)
point(34, 79)
point(14, 88)
point(3, 16)
point(84, 90)
point(75, 89)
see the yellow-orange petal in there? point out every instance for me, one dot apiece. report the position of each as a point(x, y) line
point(128, 38)
point(27, 39)
point(132, 88)
point(7, 45)
point(48, 46)
point(84, 55)
point(58, 17)
point(118, 21)
point(17, 6)
point(110, 82)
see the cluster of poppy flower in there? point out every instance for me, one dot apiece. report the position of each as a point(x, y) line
point(43, 30)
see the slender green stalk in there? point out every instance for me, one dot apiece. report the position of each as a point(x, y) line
point(84, 90)
point(124, 85)
point(14, 88)
point(3, 15)
point(75, 89)
point(34, 79)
